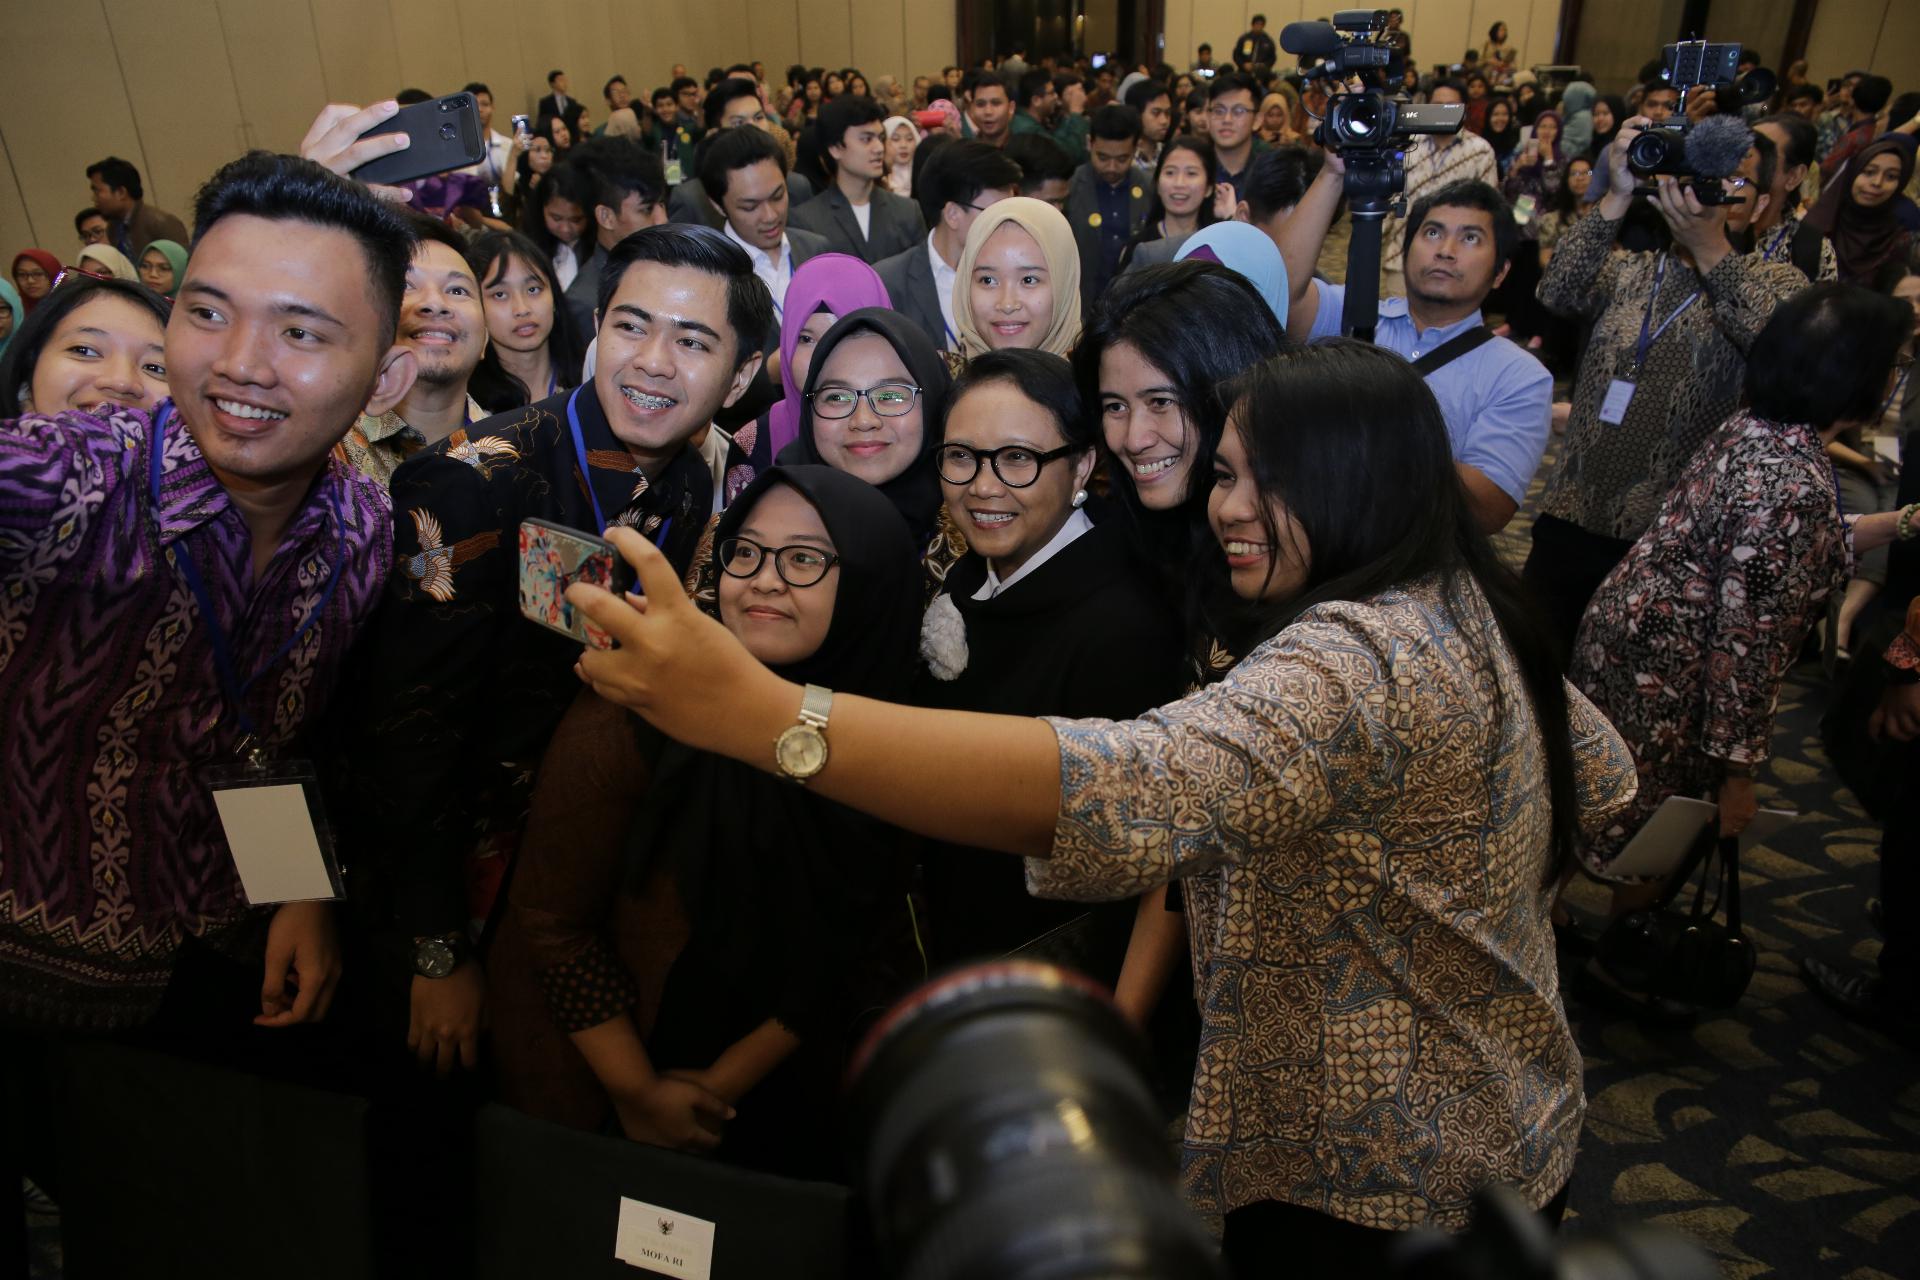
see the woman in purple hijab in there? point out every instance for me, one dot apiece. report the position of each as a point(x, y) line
point(823, 289)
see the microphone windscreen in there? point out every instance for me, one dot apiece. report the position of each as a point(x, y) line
point(1717, 145)
point(1309, 39)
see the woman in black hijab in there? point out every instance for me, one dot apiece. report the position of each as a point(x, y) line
point(703, 986)
point(889, 442)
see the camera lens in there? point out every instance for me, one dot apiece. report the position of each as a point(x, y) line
point(1005, 1131)
point(1658, 150)
point(449, 131)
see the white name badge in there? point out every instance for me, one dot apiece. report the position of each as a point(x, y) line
point(1613, 410)
point(277, 831)
point(663, 1241)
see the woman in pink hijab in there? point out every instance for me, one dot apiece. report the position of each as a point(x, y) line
point(823, 289)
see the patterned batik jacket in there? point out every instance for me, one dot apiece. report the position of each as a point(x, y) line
point(454, 694)
point(1359, 814)
point(111, 709)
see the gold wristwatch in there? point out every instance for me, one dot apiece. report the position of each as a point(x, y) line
point(801, 751)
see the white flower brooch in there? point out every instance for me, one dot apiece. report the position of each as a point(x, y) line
point(943, 639)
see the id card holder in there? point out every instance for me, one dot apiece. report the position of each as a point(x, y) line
point(276, 827)
point(1613, 409)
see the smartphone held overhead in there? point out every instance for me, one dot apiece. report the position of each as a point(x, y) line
point(442, 134)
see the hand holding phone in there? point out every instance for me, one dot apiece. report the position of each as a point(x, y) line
point(553, 558)
point(443, 134)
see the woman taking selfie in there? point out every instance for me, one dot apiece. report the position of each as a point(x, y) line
point(689, 942)
point(1368, 814)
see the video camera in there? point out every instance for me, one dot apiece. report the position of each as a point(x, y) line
point(1369, 130)
point(1713, 149)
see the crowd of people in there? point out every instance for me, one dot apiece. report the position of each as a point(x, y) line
point(997, 481)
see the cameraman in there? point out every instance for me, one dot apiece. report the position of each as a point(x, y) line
point(1663, 368)
point(1497, 399)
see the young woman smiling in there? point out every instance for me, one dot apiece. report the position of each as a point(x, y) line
point(1368, 815)
point(1018, 280)
point(93, 345)
point(1185, 199)
point(1047, 614)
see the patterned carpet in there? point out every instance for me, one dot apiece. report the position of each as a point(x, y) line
point(1781, 1136)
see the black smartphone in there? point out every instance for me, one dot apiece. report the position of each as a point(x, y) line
point(446, 135)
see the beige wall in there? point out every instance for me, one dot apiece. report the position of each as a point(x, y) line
point(179, 86)
point(1882, 36)
point(1442, 30)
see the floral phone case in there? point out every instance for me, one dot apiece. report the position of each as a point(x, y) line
point(553, 558)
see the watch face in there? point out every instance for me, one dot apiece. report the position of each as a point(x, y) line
point(801, 751)
point(433, 959)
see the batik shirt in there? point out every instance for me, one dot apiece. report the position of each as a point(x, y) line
point(454, 693)
point(1359, 811)
point(111, 708)
point(1612, 478)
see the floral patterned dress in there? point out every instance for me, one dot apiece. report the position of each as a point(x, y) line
point(1687, 641)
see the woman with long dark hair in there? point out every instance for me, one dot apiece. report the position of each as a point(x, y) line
point(1155, 351)
point(558, 219)
point(1370, 814)
point(1184, 198)
point(533, 351)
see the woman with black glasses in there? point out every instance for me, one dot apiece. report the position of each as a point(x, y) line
point(1047, 614)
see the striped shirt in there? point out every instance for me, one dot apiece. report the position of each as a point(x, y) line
point(1432, 163)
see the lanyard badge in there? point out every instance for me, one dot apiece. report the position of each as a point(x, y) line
point(1613, 409)
point(270, 809)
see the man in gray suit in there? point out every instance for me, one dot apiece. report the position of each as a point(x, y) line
point(857, 214)
point(1108, 200)
point(958, 181)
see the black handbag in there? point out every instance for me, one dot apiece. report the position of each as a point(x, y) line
point(1687, 955)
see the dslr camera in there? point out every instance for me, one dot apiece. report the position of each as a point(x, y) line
point(1678, 147)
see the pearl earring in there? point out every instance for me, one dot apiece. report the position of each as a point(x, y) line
point(1080, 498)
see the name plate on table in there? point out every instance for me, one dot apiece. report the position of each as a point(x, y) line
point(664, 1241)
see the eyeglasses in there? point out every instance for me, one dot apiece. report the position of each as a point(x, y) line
point(889, 400)
point(1219, 112)
point(798, 565)
point(1016, 465)
point(24, 273)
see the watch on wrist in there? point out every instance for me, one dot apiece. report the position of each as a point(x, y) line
point(801, 751)
point(438, 955)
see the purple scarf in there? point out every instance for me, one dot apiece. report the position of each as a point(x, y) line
point(835, 282)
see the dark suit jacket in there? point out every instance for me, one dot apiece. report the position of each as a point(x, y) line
point(583, 295)
point(571, 115)
point(908, 276)
point(1082, 204)
point(145, 226)
point(895, 222)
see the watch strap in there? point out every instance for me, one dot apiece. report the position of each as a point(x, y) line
point(816, 704)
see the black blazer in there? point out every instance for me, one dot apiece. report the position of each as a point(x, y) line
point(690, 203)
point(909, 280)
point(895, 223)
point(548, 107)
point(1082, 204)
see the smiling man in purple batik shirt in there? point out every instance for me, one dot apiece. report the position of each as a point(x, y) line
point(112, 705)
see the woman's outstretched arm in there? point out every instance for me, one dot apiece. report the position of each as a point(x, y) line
point(687, 675)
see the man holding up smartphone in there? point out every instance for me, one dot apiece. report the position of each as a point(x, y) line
point(457, 694)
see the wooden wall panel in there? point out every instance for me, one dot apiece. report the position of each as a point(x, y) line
point(184, 136)
point(773, 36)
point(278, 94)
point(490, 53)
point(16, 231)
point(426, 40)
point(50, 137)
point(1897, 55)
point(826, 32)
point(878, 32)
point(357, 53)
point(930, 40)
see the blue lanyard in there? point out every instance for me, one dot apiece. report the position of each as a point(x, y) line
point(223, 663)
point(1653, 300)
point(1898, 386)
point(586, 475)
point(1778, 236)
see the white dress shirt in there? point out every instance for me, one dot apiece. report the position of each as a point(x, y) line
point(565, 265)
point(943, 280)
point(493, 166)
point(1076, 524)
point(775, 270)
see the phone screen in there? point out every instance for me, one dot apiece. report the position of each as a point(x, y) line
point(553, 558)
point(522, 125)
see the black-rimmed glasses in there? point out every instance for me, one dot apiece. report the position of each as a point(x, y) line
point(889, 400)
point(798, 565)
point(1015, 464)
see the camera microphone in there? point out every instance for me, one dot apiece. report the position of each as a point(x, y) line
point(1717, 146)
point(1310, 39)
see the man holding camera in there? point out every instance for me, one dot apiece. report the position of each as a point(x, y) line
point(1663, 368)
point(1497, 399)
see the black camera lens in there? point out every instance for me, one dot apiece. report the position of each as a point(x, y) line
point(449, 131)
point(1005, 1130)
point(1658, 150)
